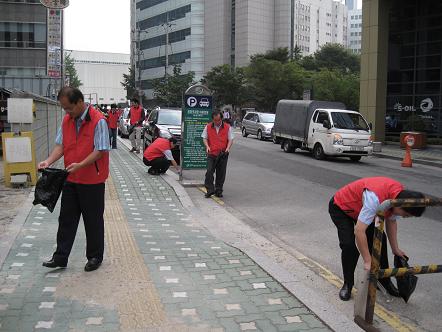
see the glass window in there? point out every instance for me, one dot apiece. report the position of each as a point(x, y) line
point(267, 118)
point(322, 117)
point(352, 121)
point(169, 118)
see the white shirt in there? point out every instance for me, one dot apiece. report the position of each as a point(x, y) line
point(370, 205)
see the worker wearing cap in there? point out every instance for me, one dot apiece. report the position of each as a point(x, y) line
point(353, 210)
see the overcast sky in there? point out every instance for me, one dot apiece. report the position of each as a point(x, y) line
point(98, 25)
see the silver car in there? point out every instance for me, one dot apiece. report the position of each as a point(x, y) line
point(123, 123)
point(259, 124)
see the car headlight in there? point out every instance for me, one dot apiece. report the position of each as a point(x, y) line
point(165, 134)
point(268, 130)
point(337, 140)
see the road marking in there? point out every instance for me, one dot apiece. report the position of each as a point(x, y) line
point(386, 315)
point(216, 199)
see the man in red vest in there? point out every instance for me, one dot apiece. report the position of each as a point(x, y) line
point(112, 120)
point(218, 139)
point(158, 156)
point(353, 210)
point(83, 141)
point(136, 116)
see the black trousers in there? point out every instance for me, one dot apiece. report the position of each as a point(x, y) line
point(160, 165)
point(220, 169)
point(113, 137)
point(86, 200)
point(350, 253)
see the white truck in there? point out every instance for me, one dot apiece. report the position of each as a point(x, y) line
point(324, 128)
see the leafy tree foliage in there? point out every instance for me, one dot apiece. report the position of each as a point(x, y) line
point(129, 83)
point(71, 72)
point(279, 54)
point(168, 91)
point(336, 56)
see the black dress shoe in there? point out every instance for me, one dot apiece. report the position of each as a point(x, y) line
point(345, 292)
point(92, 265)
point(209, 194)
point(390, 287)
point(218, 194)
point(53, 264)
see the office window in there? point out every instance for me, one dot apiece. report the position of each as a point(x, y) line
point(174, 37)
point(22, 35)
point(144, 4)
point(172, 15)
point(174, 59)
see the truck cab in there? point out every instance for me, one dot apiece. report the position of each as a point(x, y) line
point(339, 133)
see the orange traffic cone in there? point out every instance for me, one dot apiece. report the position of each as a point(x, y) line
point(407, 162)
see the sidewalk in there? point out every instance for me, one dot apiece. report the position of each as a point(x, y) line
point(431, 156)
point(162, 272)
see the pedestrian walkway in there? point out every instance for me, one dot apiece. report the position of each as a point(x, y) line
point(431, 155)
point(162, 272)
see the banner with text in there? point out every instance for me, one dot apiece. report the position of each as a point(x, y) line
point(196, 114)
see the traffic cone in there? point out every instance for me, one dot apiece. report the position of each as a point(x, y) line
point(407, 162)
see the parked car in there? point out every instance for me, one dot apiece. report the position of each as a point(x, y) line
point(123, 123)
point(259, 124)
point(164, 123)
point(324, 128)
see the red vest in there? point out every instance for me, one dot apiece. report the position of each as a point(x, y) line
point(77, 147)
point(156, 149)
point(217, 141)
point(112, 119)
point(349, 198)
point(135, 114)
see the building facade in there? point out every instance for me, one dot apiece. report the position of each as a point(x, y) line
point(242, 28)
point(101, 74)
point(167, 33)
point(23, 47)
point(355, 30)
point(401, 81)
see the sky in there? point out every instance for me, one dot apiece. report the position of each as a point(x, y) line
point(98, 25)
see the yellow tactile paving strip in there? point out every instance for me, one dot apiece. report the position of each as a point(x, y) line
point(139, 305)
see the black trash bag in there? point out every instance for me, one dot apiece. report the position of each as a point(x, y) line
point(49, 186)
point(406, 284)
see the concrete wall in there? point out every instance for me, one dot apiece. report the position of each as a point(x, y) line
point(374, 64)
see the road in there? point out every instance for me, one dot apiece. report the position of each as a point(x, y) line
point(285, 198)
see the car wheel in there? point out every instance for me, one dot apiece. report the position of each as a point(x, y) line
point(287, 146)
point(259, 135)
point(355, 158)
point(244, 132)
point(318, 152)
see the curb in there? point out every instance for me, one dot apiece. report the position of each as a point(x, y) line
point(13, 229)
point(308, 296)
point(416, 161)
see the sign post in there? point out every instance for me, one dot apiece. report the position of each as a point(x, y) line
point(197, 112)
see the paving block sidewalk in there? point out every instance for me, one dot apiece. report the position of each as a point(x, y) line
point(431, 155)
point(162, 272)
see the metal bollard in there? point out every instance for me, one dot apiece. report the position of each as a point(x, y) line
point(376, 273)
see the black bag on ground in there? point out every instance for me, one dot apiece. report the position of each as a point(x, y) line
point(406, 284)
point(49, 186)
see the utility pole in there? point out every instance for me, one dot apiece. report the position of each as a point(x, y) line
point(292, 29)
point(167, 26)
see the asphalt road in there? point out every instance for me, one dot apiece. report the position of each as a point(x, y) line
point(285, 197)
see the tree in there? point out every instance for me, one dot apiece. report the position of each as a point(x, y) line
point(334, 85)
point(129, 83)
point(336, 56)
point(227, 85)
point(71, 72)
point(279, 54)
point(168, 91)
point(297, 53)
point(269, 81)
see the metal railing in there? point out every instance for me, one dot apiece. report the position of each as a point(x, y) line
point(376, 273)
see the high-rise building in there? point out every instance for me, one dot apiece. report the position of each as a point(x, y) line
point(355, 30)
point(23, 46)
point(235, 30)
point(351, 4)
point(167, 33)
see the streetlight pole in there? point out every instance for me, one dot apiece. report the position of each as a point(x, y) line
point(167, 26)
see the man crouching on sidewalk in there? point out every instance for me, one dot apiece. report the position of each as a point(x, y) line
point(158, 156)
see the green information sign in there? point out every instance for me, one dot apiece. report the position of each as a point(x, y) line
point(196, 114)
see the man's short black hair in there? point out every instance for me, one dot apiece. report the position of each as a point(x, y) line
point(173, 140)
point(217, 112)
point(74, 95)
point(135, 100)
point(414, 211)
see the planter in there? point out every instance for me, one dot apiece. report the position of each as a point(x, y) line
point(420, 139)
